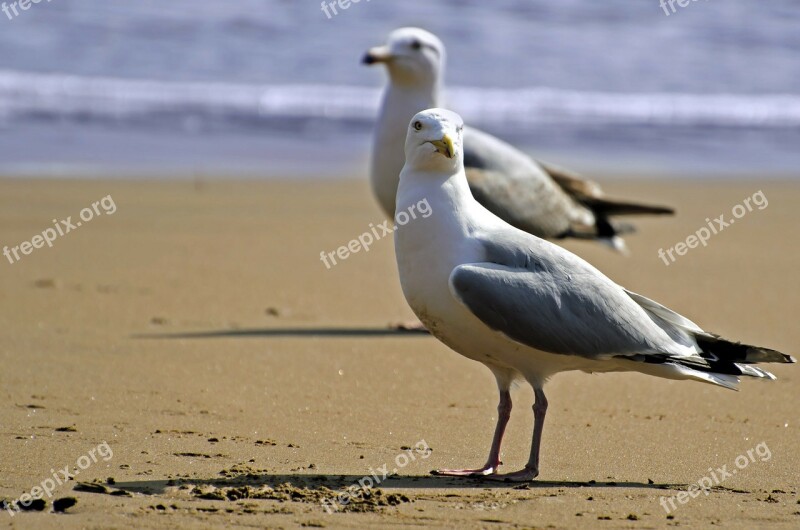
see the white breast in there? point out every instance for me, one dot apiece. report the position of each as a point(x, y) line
point(428, 249)
point(398, 107)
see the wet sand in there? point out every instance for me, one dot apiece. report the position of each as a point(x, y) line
point(238, 382)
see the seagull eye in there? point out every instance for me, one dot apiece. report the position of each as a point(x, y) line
point(418, 125)
point(416, 45)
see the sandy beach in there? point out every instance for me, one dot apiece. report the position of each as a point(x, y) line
point(192, 363)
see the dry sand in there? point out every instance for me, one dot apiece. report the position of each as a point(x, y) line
point(238, 381)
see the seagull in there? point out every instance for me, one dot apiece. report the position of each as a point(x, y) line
point(544, 200)
point(527, 308)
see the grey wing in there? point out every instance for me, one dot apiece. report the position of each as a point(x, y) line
point(577, 186)
point(554, 302)
point(589, 194)
point(512, 186)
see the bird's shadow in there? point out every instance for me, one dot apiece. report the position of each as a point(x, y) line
point(340, 482)
point(300, 332)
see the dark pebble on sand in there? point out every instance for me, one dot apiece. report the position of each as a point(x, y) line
point(36, 505)
point(62, 504)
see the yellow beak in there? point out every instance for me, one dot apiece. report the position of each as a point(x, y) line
point(444, 146)
point(379, 54)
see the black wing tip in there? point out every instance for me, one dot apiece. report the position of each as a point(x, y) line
point(646, 209)
point(727, 350)
point(611, 207)
point(663, 210)
point(757, 354)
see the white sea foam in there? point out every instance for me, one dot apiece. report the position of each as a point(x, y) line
point(49, 96)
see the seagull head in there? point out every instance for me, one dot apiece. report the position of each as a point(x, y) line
point(413, 57)
point(434, 141)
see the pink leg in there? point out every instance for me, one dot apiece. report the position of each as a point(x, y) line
point(411, 326)
point(531, 469)
point(503, 414)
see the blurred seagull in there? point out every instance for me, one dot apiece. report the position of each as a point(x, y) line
point(543, 200)
point(527, 308)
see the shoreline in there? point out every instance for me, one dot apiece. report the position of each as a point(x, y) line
point(237, 381)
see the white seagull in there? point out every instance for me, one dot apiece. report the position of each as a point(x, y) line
point(543, 200)
point(527, 308)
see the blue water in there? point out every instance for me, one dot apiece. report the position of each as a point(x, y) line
point(271, 87)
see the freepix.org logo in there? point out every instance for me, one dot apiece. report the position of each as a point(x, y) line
point(47, 487)
point(376, 233)
point(12, 10)
point(329, 7)
point(60, 228)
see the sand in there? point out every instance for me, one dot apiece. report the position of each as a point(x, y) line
point(195, 355)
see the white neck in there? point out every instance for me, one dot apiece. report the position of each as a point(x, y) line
point(434, 244)
point(400, 104)
point(450, 192)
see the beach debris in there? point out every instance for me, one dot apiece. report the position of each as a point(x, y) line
point(90, 487)
point(70, 428)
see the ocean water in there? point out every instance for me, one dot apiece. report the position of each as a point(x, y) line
point(270, 88)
